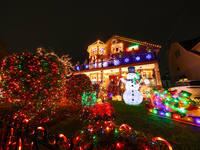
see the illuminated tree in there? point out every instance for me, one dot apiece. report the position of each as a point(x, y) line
point(112, 89)
point(33, 83)
point(76, 86)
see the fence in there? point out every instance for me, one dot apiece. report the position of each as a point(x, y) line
point(18, 135)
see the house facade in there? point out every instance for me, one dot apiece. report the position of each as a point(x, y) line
point(184, 60)
point(108, 61)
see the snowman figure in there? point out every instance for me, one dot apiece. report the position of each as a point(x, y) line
point(131, 95)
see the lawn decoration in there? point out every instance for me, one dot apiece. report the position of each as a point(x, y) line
point(95, 111)
point(132, 96)
point(117, 98)
point(182, 108)
point(108, 136)
point(33, 83)
point(112, 90)
point(75, 87)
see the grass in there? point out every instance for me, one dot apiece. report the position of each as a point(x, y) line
point(180, 136)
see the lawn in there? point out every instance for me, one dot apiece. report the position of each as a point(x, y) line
point(179, 135)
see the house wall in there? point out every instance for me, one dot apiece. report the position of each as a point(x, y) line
point(185, 63)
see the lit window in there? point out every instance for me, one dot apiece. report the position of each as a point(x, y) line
point(94, 50)
point(116, 48)
point(101, 50)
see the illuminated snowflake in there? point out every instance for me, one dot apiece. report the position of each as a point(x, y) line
point(126, 60)
point(86, 66)
point(116, 62)
point(138, 58)
point(105, 64)
point(148, 56)
point(77, 68)
point(95, 65)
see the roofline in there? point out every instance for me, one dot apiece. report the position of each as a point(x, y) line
point(132, 40)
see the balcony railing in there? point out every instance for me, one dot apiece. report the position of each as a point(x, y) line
point(117, 62)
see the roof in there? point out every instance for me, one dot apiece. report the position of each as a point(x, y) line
point(132, 40)
point(97, 43)
point(189, 44)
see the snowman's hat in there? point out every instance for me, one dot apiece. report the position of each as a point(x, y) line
point(131, 69)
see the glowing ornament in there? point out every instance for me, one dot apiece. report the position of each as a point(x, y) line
point(131, 95)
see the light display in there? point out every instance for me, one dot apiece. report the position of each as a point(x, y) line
point(132, 48)
point(165, 104)
point(131, 95)
point(113, 89)
point(97, 112)
point(89, 99)
point(137, 58)
point(1, 95)
point(116, 62)
point(148, 56)
point(76, 86)
point(126, 60)
point(33, 83)
point(105, 64)
point(108, 136)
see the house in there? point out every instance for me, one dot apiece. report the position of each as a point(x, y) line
point(108, 61)
point(184, 60)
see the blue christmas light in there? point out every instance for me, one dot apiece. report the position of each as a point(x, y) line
point(95, 65)
point(126, 60)
point(105, 64)
point(86, 66)
point(138, 58)
point(148, 56)
point(77, 68)
point(116, 62)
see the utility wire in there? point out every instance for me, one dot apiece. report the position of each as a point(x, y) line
point(175, 27)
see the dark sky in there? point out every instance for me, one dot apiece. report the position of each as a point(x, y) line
point(68, 27)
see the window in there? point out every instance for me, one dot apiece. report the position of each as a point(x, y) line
point(177, 53)
point(101, 50)
point(116, 48)
point(94, 50)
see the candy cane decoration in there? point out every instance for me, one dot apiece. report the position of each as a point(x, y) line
point(161, 139)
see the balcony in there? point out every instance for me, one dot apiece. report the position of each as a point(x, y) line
point(145, 57)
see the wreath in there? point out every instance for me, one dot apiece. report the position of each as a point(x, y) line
point(114, 41)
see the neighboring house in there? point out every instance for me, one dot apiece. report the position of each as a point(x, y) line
point(184, 60)
point(166, 83)
point(108, 61)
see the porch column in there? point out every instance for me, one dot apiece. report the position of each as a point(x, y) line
point(101, 75)
point(120, 74)
point(97, 77)
point(157, 75)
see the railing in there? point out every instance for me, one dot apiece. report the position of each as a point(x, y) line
point(18, 135)
point(116, 62)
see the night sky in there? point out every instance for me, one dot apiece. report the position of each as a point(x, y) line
point(69, 27)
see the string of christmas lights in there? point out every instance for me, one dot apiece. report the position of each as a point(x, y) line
point(75, 87)
point(165, 104)
point(33, 83)
point(108, 136)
